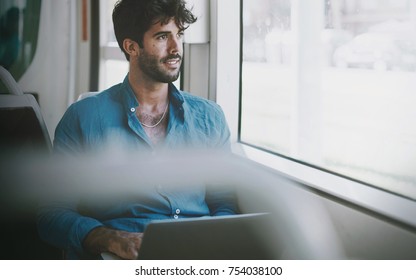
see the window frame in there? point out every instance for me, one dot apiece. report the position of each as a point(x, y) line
point(225, 86)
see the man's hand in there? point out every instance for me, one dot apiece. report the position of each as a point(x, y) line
point(124, 244)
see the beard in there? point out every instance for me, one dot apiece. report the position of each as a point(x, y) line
point(152, 66)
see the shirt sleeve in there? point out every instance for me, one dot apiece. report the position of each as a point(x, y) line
point(68, 134)
point(222, 200)
point(59, 222)
point(62, 226)
point(224, 134)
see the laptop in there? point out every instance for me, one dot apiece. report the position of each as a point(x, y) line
point(234, 237)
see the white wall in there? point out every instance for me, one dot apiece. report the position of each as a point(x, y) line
point(60, 68)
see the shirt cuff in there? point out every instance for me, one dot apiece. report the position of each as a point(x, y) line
point(79, 231)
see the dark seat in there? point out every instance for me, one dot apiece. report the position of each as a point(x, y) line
point(23, 134)
point(21, 125)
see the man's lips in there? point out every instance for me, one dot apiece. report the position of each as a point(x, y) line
point(172, 63)
point(172, 60)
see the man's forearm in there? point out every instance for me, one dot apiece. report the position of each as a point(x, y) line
point(221, 201)
point(64, 228)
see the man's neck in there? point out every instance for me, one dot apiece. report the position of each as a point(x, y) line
point(148, 93)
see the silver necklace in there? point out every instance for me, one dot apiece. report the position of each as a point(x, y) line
point(156, 124)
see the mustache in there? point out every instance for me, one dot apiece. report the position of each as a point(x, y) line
point(172, 56)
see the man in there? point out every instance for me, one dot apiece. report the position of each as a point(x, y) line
point(144, 113)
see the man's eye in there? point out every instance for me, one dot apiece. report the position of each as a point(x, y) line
point(180, 35)
point(162, 37)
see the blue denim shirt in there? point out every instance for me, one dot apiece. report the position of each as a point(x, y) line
point(92, 123)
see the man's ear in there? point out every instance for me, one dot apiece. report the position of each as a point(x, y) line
point(131, 47)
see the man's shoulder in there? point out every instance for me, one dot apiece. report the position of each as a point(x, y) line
point(197, 100)
point(84, 119)
point(100, 99)
point(107, 95)
point(197, 103)
point(207, 117)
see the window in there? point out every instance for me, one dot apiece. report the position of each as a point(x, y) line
point(114, 65)
point(19, 26)
point(332, 84)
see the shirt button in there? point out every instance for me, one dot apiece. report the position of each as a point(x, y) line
point(178, 211)
point(132, 110)
point(175, 217)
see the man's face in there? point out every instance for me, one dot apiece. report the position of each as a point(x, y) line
point(161, 56)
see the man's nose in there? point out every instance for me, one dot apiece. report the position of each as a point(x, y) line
point(175, 45)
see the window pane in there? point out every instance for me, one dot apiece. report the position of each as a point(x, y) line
point(114, 72)
point(19, 27)
point(332, 83)
point(266, 69)
point(109, 30)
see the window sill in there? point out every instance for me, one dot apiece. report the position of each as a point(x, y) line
point(382, 202)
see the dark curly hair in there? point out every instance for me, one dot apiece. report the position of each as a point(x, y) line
point(132, 18)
